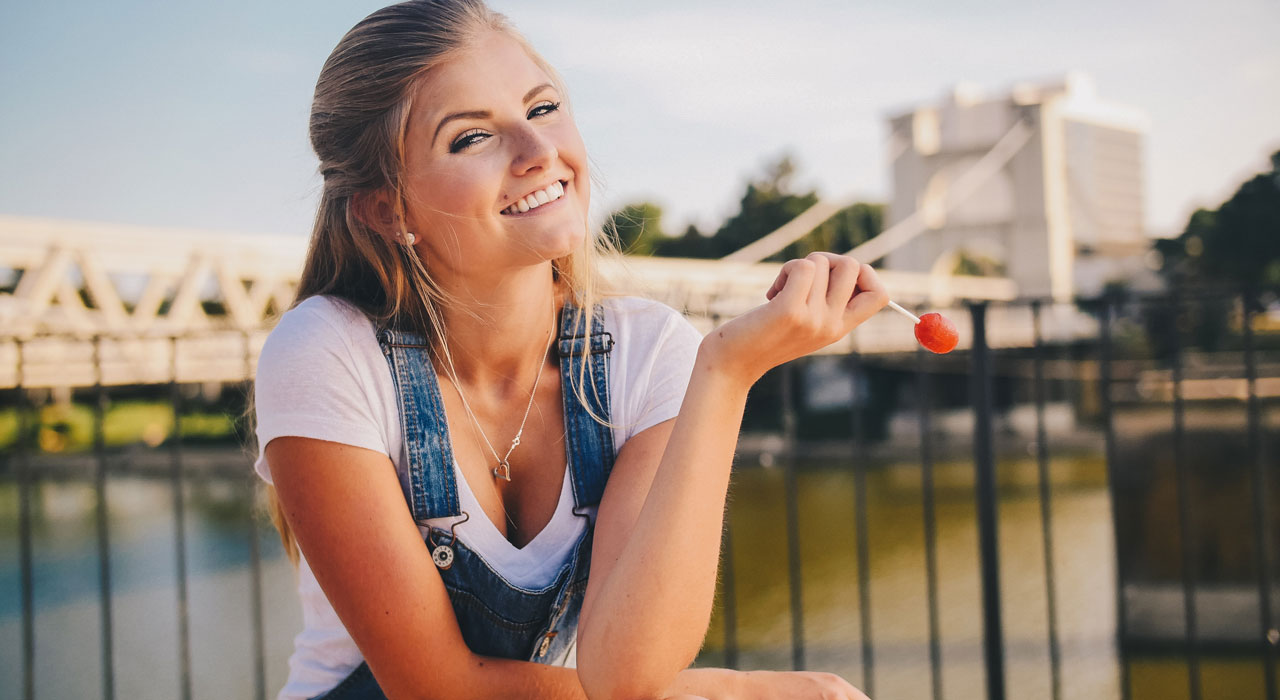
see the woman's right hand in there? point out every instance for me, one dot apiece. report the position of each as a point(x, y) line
point(795, 685)
point(814, 302)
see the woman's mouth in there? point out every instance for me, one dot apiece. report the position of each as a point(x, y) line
point(533, 200)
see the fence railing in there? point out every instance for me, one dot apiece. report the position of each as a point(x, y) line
point(1116, 387)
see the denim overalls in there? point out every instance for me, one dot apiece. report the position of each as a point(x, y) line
point(496, 617)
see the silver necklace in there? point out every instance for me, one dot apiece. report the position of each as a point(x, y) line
point(502, 470)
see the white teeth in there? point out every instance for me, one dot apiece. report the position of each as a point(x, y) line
point(546, 195)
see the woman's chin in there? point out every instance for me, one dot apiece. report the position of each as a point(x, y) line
point(563, 244)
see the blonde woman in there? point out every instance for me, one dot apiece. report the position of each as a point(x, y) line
point(502, 483)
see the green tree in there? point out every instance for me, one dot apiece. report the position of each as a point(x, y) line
point(768, 202)
point(693, 244)
point(1239, 243)
point(638, 228)
point(848, 228)
point(1236, 245)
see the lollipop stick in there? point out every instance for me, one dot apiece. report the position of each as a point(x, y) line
point(894, 305)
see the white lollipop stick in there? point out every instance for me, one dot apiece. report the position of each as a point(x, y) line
point(894, 305)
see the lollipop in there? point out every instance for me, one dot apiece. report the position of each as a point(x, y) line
point(933, 330)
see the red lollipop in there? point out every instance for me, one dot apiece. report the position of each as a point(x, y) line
point(933, 330)
point(936, 333)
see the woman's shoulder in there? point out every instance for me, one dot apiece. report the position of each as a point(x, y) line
point(634, 317)
point(321, 312)
point(320, 323)
point(639, 310)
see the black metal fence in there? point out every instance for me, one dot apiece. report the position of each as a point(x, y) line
point(1204, 539)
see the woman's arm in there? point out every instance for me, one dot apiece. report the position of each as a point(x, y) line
point(348, 513)
point(346, 508)
point(649, 595)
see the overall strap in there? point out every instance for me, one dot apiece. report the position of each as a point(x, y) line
point(590, 443)
point(432, 490)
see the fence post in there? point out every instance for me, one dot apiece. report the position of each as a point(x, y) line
point(1046, 501)
point(178, 487)
point(793, 517)
point(102, 520)
point(22, 457)
point(1186, 516)
point(929, 506)
point(255, 553)
point(862, 543)
point(1105, 381)
point(1260, 483)
point(985, 486)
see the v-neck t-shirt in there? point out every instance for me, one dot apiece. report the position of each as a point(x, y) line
point(322, 375)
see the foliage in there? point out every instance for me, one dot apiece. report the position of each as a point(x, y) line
point(638, 228)
point(70, 427)
point(1237, 244)
point(769, 201)
point(1219, 251)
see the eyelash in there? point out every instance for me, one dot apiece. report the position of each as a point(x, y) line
point(465, 140)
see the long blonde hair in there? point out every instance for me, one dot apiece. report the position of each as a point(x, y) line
point(359, 117)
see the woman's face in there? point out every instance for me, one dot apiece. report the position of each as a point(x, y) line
point(489, 137)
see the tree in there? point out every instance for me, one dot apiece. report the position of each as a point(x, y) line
point(769, 202)
point(638, 228)
point(1239, 243)
point(848, 228)
point(693, 244)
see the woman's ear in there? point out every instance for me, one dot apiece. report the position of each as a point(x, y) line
point(374, 210)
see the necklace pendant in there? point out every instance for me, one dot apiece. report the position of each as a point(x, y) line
point(502, 471)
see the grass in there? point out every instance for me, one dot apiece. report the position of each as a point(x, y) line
point(70, 428)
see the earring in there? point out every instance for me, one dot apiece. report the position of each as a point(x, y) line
point(408, 238)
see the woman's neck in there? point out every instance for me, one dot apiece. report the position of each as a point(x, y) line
point(496, 332)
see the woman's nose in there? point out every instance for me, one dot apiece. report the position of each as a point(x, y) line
point(533, 150)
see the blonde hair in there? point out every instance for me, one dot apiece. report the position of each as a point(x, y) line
point(359, 117)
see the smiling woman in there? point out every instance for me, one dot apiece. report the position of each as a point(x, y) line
point(463, 528)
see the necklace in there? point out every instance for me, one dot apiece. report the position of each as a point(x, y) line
point(502, 470)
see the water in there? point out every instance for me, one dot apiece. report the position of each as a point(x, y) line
point(145, 625)
point(899, 608)
point(68, 660)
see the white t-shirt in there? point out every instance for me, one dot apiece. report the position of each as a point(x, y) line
point(322, 375)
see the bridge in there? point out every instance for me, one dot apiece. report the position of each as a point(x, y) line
point(134, 302)
point(1039, 180)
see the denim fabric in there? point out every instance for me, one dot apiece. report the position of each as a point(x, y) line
point(498, 618)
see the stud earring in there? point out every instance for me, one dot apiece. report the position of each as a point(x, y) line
point(408, 238)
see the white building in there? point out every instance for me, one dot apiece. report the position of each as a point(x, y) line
point(1043, 185)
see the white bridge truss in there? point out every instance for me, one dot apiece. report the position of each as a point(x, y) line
point(135, 297)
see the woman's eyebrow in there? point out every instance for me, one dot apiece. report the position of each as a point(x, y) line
point(529, 95)
point(458, 115)
point(482, 114)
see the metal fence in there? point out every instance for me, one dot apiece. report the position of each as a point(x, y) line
point(1137, 357)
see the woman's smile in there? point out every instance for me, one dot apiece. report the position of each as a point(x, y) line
point(538, 201)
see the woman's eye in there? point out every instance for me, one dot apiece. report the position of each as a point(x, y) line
point(544, 109)
point(467, 139)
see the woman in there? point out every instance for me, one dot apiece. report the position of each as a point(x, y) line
point(451, 374)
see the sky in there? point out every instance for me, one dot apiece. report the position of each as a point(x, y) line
point(194, 115)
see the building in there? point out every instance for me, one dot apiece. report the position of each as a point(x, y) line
point(1043, 185)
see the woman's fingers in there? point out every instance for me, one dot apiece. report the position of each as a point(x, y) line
point(869, 297)
point(843, 281)
point(793, 282)
point(821, 278)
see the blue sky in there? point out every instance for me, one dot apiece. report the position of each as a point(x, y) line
point(194, 115)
